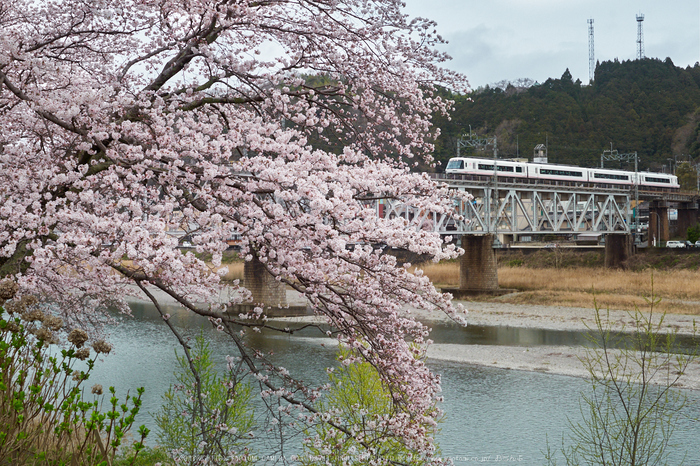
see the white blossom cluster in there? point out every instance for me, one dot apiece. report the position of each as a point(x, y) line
point(123, 121)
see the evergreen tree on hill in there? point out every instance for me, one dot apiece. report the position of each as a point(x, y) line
point(649, 106)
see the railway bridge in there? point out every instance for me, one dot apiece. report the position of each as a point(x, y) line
point(496, 214)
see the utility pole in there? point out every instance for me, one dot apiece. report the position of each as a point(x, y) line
point(591, 54)
point(628, 157)
point(473, 141)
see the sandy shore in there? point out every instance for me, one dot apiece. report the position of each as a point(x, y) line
point(564, 360)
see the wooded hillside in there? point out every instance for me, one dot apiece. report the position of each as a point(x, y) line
point(649, 106)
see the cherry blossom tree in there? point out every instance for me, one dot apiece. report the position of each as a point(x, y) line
point(122, 120)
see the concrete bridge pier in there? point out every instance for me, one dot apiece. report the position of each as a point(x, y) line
point(477, 267)
point(658, 222)
point(687, 217)
point(618, 248)
point(267, 292)
point(265, 289)
point(478, 271)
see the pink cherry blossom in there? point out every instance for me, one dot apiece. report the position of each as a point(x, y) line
point(280, 121)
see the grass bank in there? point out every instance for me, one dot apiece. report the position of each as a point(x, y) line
point(614, 289)
point(578, 279)
point(564, 278)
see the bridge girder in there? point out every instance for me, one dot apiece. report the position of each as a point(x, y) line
point(522, 209)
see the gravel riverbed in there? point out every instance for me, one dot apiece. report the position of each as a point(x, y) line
point(564, 360)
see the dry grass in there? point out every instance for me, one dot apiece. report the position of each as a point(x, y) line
point(580, 287)
point(442, 274)
point(676, 284)
point(616, 289)
point(235, 271)
point(603, 300)
point(575, 287)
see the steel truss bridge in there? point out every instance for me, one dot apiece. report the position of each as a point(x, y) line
point(519, 209)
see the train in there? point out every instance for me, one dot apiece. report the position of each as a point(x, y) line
point(528, 172)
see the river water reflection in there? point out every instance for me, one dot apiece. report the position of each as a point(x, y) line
point(490, 413)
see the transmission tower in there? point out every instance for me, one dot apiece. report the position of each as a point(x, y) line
point(591, 53)
point(640, 37)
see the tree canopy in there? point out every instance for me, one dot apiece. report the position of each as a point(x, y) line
point(124, 120)
point(646, 106)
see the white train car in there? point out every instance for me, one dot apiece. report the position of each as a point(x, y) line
point(551, 173)
point(484, 167)
point(546, 171)
point(658, 181)
point(611, 177)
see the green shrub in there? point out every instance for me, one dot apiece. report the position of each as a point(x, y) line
point(630, 413)
point(146, 457)
point(44, 416)
point(206, 418)
point(693, 233)
point(358, 401)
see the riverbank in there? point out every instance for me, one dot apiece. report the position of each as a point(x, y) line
point(562, 360)
point(573, 278)
point(579, 286)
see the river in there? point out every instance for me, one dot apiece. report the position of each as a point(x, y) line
point(492, 415)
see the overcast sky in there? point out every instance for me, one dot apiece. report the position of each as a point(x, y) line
point(493, 40)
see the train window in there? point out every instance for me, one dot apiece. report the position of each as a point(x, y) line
point(519, 169)
point(657, 180)
point(500, 168)
point(547, 171)
point(455, 165)
point(610, 176)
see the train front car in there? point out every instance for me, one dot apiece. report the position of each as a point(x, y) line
point(478, 169)
point(658, 182)
point(456, 166)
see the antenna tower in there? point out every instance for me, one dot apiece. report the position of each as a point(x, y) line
point(591, 53)
point(640, 37)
